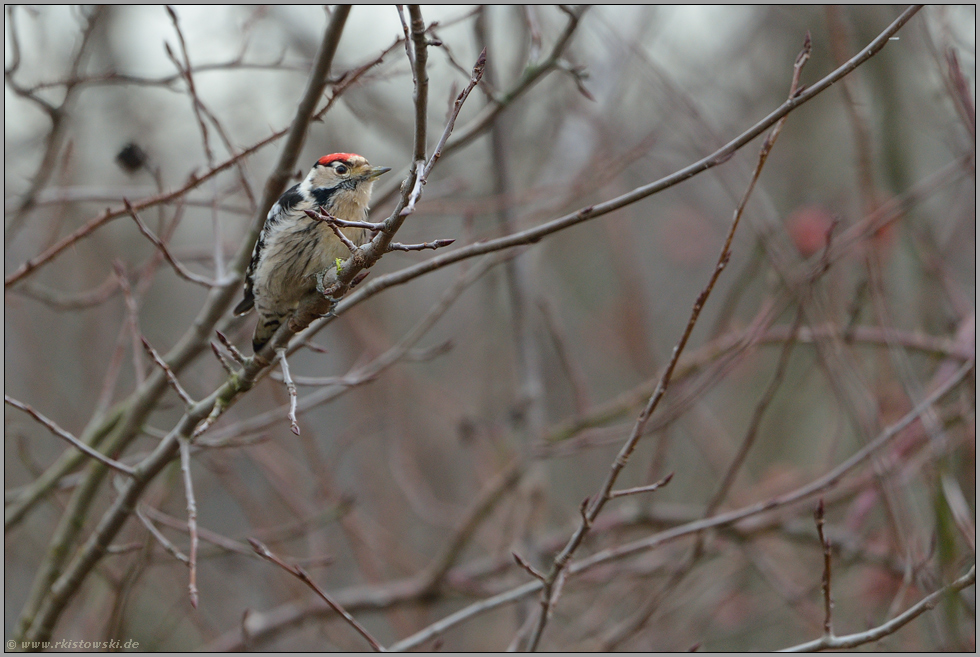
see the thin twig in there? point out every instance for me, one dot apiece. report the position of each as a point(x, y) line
point(757, 415)
point(185, 71)
point(475, 76)
point(171, 377)
point(828, 626)
point(161, 539)
point(222, 359)
point(61, 301)
point(475, 609)
point(424, 168)
point(320, 214)
point(642, 489)
point(436, 244)
point(523, 563)
point(301, 574)
point(722, 155)
point(343, 238)
point(61, 433)
point(598, 501)
point(877, 633)
point(132, 318)
point(180, 269)
point(232, 349)
point(185, 468)
point(573, 373)
point(291, 389)
point(608, 555)
point(408, 41)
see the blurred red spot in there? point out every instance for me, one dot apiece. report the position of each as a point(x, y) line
point(807, 227)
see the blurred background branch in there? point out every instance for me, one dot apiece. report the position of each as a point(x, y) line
point(463, 410)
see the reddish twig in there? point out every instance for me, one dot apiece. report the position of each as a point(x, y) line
point(302, 575)
point(171, 377)
point(180, 269)
point(232, 349)
point(523, 563)
point(828, 626)
point(573, 373)
point(598, 501)
point(222, 359)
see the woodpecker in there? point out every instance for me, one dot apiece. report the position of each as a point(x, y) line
point(293, 249)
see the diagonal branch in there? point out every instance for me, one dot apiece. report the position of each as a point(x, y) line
point(46, 602)
point(720, 156)
point(61, 433)
point(608, 555)
point(304, 577)
point(889, 627)
point(598, 501)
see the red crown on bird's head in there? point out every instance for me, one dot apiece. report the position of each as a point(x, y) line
point(327, 159)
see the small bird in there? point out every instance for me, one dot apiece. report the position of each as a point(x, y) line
point(293, 250)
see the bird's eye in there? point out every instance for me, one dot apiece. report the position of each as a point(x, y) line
point(341, 169)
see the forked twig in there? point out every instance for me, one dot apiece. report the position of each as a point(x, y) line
point(598, 501)
point(180, 269)
point(232, 349)
point(641, 489)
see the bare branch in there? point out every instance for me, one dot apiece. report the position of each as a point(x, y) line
point(185, 468)
point(232, 349)
point(180, 269)
point(161, 539)
point(322, 215)
point(720, 156)
point(642, 489)
point(531, 570)
point(171, 377)
point(608, 555)
point(291, 389)
point(222, 359)
point(302, 576)
point(599, 500)
point(436, 244)
point(46, 602)
point(876, 633)
point(61, 433)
